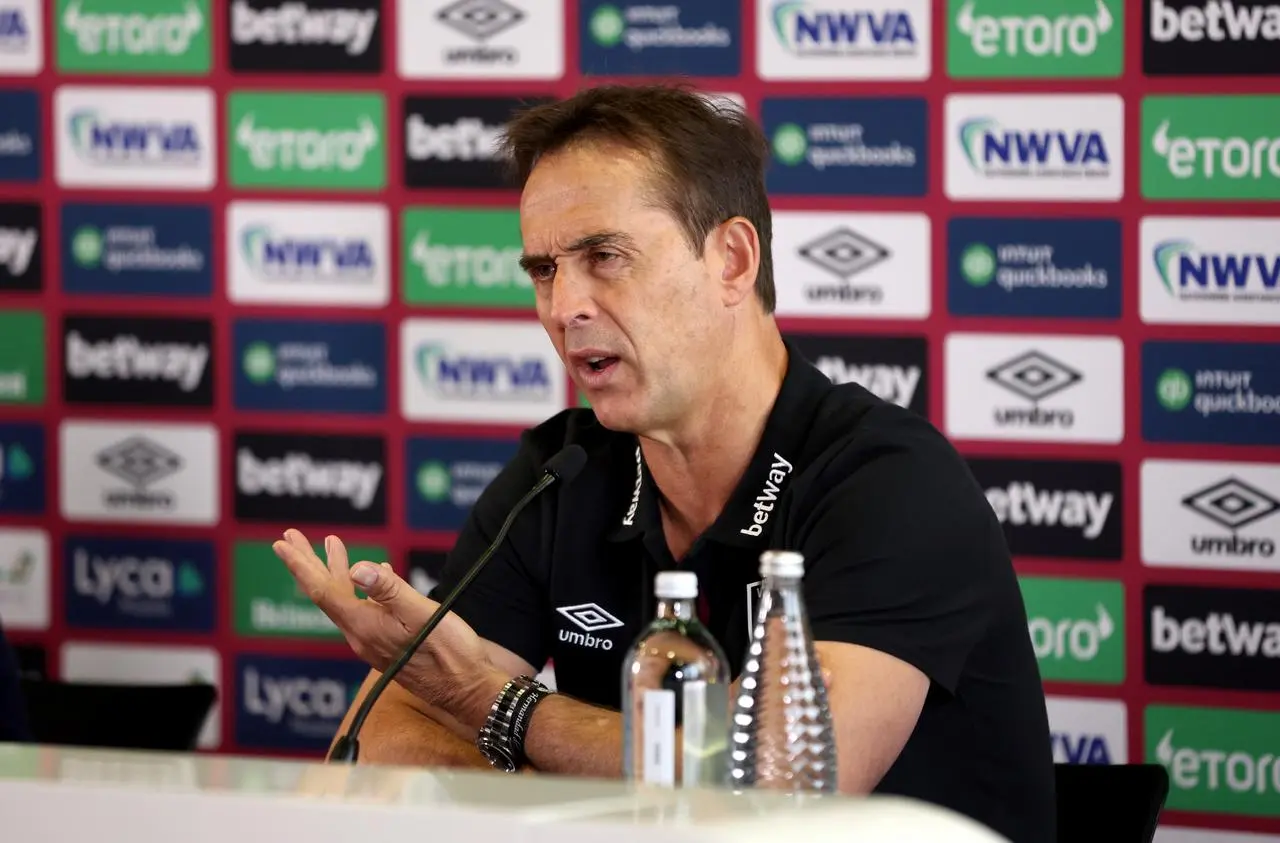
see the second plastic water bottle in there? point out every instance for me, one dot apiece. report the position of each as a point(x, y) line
point(780, 735)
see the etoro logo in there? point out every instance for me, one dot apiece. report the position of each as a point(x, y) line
point(1063, 38)
point(1076, 628)
point(122, 36)
point(1034, 376)
point(1219, 760)
point(464, 256)
point(1202, 147)
point(1232, 504)
point(589, 617)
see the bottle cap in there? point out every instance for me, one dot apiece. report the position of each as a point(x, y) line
point(676, 585)
point(781, 563)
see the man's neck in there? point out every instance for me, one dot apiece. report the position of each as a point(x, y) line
point(698, 469)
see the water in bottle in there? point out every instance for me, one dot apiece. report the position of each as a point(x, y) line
point(675, 694)
point(780, 735)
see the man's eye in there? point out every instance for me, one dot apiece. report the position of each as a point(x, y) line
point(602, 257)
point(542, 271)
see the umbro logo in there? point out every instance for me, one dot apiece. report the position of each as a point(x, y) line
point(1232, 503)
point(1034, 376)
point(843, 252)
point(480, 20)
point(589, 617)
point(139, 462)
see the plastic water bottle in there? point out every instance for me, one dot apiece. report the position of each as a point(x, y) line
point(780, 733)
point(675, 694)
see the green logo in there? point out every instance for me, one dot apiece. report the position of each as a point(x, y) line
point(1219, 760)
point(995, 39)
point(267, 600)
point(133, 36)
point(463, 256)
point(978, 264)
point(21, 357)
point(15, 462)
point(790, 144)
point(1201, 147)
point(1173, 389)
point(607, 26)
point(330, 140)
point(434, 481)
point(86, 246)
point(189, 582)
point(259, 362)
point(1077, 628)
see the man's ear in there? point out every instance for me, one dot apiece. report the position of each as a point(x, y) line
point(739, 245)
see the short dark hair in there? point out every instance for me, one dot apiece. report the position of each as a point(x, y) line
point(709, 158)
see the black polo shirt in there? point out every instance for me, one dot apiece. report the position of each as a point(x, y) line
point(903, 554)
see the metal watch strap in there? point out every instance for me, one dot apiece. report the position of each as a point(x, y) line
point(501, 738)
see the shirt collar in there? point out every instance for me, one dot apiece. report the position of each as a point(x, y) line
point(747, 518)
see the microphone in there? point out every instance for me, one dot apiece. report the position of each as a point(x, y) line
point(564, 466)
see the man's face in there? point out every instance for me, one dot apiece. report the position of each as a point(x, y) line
point(634, 314)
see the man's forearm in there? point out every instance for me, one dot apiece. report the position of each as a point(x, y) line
point(574, 738)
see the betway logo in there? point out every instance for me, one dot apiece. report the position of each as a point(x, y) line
point(1216, 21)
point(271, 697)
point(296, 23)
point(1216, 769)
point(1022, 504)
point(300, 475)
point(306, 149)
point(768, 497)
point(131, 577)
point(1035, 35)
point(128, 358)
point(17, 247)
point(1075, 638)
point(1218, 634)
point(1185, 269)
point(896, 384)
point(445, 265)
point(135, 33)
point(1210, 156)
point(465, 139)
point(1079, 749)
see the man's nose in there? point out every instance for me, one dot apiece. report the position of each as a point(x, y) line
point(571, 298)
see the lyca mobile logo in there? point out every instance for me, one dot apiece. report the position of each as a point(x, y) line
point(1068, 31)
point(1211, 147)
point(296, 23)
point(287, 257)
point(1233, 505)
point(311, 706)
point(102, 140)
point(132, 34)
point(1034, 376)
point(808, 31)
point(132, 579)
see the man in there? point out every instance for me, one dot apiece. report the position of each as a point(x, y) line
point(646, 235)
point(14, 727)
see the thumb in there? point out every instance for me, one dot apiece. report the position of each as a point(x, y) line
point(379, 582)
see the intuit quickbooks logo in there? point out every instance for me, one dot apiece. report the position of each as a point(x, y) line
point(1226, 393)
point(1200, 147)
point(1077, 628)
point(333, 140)
point(319, 367)
point(1051, 38)
point(695, 38)
point(133, 36)
point(1219, 760)
point(447, 476)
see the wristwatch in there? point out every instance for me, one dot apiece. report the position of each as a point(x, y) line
point(501, 738)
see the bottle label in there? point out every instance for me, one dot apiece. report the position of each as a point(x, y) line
point(660, 737)
point(695, 730)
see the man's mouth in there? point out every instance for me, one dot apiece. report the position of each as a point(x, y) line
point(599, 364)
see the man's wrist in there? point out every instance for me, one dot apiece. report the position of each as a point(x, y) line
point(474, 706)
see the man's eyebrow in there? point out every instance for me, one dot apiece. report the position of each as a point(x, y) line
point(590, 241)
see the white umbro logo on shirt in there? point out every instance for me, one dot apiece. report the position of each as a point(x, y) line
point(588, 617)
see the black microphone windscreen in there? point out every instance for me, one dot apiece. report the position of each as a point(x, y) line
point(566, 464)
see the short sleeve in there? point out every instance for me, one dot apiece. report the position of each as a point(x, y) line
point(505, 603)
point(903, 554)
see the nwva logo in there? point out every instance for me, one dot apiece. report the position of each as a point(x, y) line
point(1079, 748)
point(1187, 270)
point(15, 31)
point(993, 150)
point(287, 257)
point(105, 141)
point(302, 697)
point(827, 32)
point(306, 149)
point(483, 376)
point(133, 579)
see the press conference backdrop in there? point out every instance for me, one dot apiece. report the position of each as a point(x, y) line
point(258, 269)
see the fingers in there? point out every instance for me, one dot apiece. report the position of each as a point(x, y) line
point(379, 582)
point(307, 569)
point(339, 567)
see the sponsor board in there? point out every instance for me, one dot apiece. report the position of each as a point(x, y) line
point(294, 36)
point(25, 579)
point(1211, 515)
point(463, 256)
point(1205, 637)
point(447, 476)
point(315, 478)
point(895, 369)
point(138, 472)
point(139, 583)
point(22, 377)
point(1210, 37)
point(847, 146)
point(1071, 509)
point(152, 138)
point(1063, 39)
point(1171, 834)
point(154, 361)
point(847, 264)
point(1088, 731)
point(1204, 147)
point(1210, 271)
point(22, 468)
point(1077, 628)
point(137, 250)
point(1225, 393)
point(21, 37)
point(452, 141)
point(21, 144)
point(480, 39)
point(313, 253)
point(169, 37)
point(267, 601)
point(294, 704)
point(686, 37)
point(477, 371)
point(1219, 760)
point(317, 367)
point(145, 665)
point(1047, 268)
point(1034, 388)
point(425, 567)
point(839, 41)
point(1034, 147)
point(21, 247)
